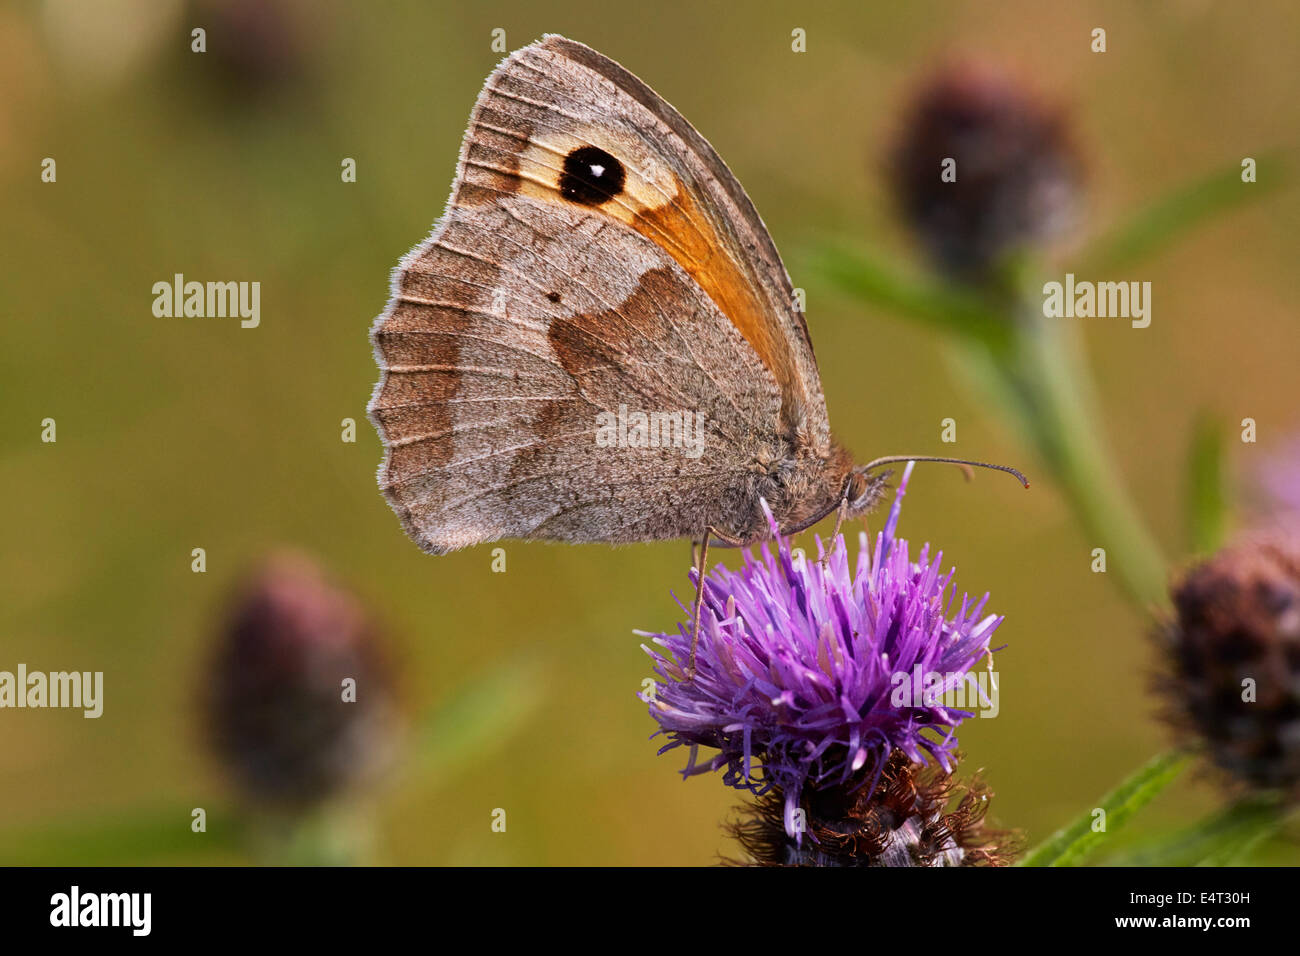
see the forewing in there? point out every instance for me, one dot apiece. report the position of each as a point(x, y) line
point(526, 335)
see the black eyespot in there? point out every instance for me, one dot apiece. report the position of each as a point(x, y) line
point(553, 296)
point(591, 176)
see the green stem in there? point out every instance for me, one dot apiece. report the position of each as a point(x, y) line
point(1048, 373)
point(1227, 836)
point(1035, 368)
point(1069, 845)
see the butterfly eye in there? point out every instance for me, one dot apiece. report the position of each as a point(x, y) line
point(859, 485)
point(591, 176)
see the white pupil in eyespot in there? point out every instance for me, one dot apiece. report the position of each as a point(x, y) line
point(597, 171)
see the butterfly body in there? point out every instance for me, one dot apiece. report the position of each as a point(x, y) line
point(598, 261)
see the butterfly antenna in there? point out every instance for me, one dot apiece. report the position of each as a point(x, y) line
point(873, 465)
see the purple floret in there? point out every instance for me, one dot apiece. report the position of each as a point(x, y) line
point(795, 672)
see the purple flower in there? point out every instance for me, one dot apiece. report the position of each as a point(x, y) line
point(805, 673)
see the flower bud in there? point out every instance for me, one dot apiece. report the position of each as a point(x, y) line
point(981, 168)
point(1234, 658)
point(300, 699)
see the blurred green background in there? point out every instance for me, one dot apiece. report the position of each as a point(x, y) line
point(182, 433)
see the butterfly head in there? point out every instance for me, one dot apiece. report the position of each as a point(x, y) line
point(864, 490)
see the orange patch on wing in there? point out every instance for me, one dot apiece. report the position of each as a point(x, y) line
point(683, 232)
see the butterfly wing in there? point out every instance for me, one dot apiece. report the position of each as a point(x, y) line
point(692, 205)
point(597, 262)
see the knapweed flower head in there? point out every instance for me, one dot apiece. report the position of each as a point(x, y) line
point(982, 167)
point(1232, 683)
point(809, 674)
point(257, 47)
point(915, 817)
point(299, 697)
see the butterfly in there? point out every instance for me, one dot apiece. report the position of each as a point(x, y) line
point(599, 286)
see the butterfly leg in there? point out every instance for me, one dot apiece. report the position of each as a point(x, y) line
point(700, 565)
point(840, 515)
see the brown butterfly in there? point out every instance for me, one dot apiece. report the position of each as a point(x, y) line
point(598, 267)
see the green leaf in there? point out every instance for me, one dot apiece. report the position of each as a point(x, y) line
point(1156, 226)
point(1207, 504)
point(1261, 825)
point(478, 718)
point(1071, 844)
point(156, 835)
point(1224, 838)
point(851, 269)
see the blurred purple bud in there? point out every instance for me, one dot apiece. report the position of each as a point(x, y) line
point(300, 704)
